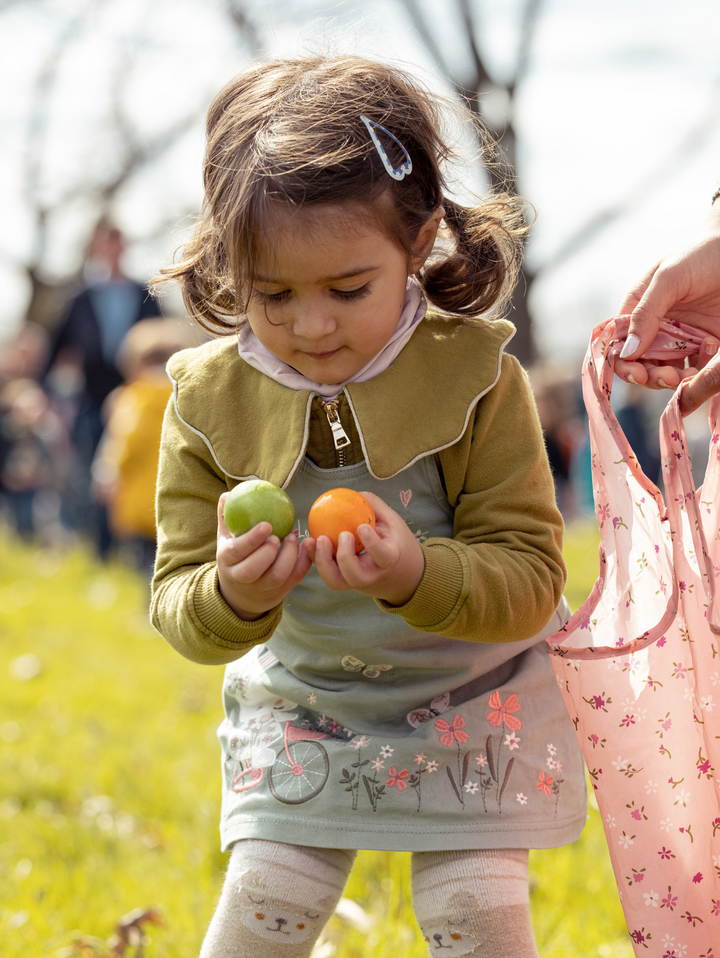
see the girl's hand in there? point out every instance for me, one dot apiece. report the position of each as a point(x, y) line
point(255, 571)
point(391, 567)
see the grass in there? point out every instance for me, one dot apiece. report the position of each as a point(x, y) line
point(110, 784)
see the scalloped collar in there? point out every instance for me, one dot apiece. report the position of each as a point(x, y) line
point(421, 404)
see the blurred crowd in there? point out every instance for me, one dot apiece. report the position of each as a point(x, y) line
point(81, 410)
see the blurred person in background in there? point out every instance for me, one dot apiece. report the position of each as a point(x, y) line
point(124, 470)
point(87, 339)
point(564, 428)
point(35, 458)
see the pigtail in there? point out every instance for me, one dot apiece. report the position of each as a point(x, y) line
point(481, 269)
point(205, 281)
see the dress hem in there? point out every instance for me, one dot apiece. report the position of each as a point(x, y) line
point(319, 833)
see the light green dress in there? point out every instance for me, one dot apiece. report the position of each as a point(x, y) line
point(350, 729)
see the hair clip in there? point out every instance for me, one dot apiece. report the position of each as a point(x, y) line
point(397, 172)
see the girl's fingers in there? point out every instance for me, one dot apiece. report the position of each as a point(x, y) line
point(222, 528)
point(326, 565)
point(238, 548)
point(248, 569)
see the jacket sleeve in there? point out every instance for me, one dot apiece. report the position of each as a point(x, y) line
point(187, 607)
point(500, 578)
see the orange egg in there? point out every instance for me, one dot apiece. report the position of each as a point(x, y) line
point(340, 510)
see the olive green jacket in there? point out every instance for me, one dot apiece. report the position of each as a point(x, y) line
point(451, 393)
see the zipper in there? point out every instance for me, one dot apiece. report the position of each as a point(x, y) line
point(340, 437)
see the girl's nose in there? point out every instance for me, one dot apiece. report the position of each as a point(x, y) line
point(312, 320)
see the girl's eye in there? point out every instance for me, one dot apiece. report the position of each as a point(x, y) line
point(271, 297)
point(352, 293)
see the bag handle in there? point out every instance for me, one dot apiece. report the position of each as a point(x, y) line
point(604, 348)
point(682, 495)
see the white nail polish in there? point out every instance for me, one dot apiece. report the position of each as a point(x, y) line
point(631, 344)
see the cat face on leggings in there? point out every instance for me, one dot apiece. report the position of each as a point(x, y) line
point(280, 921)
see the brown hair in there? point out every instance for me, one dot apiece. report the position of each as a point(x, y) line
point(290, 131)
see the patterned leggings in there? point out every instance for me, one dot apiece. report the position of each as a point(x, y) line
point(277, 898)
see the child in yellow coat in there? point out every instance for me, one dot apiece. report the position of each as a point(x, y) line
point(126, 464)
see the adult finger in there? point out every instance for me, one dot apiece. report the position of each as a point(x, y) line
point(701, 387)
point(708, 349)
point(635, 294)
point(659, 297)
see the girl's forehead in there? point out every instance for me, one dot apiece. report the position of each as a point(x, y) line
point(328, 231)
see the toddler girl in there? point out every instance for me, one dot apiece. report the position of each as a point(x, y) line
point(402, 698)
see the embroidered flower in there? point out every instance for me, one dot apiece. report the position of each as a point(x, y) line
point(521, 798)
point(377, 765)
point(432, 766)
point(481, 761)
point(419, 759)
point(359, 742)
point(335, 727)
point(512, 741)
point(312, 698)
point(451, 733)
point(386, 751)
point(397, 778)
point(503, 712)
point(471, 787)
point(544, 783)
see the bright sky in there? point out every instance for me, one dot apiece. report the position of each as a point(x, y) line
point(613, 90)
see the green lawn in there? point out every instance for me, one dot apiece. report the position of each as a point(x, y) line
point(109, 785)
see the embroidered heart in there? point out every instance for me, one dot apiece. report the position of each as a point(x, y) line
point(405, 496)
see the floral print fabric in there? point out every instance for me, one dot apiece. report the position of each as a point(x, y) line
point(638, 667)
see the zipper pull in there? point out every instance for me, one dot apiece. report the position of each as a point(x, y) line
point(340, 437)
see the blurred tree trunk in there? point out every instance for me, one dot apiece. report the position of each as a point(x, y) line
point(477, 88)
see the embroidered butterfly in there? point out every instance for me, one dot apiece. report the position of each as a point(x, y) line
point(351, 664)
point(438, 705)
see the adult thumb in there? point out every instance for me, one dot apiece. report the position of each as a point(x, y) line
point(701, 387)
point(645, 318)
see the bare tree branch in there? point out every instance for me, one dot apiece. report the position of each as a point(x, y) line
point(528, 27)
point(693, 141)
point(246, 27)
point(417, 18)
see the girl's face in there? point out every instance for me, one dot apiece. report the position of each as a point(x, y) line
point(329, 294)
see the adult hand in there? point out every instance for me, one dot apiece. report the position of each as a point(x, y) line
point(701, 387)
point(685, 286)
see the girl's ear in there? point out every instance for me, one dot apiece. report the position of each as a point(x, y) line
point(425, 241)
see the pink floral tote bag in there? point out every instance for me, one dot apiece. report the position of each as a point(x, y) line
point(639, 667)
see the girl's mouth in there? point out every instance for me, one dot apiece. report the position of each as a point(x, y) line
point(322, 356)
